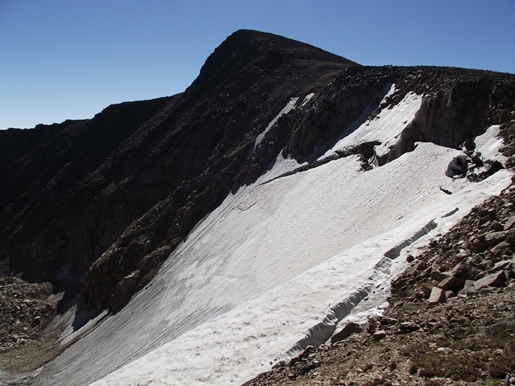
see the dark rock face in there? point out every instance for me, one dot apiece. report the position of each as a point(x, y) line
point(96, 206)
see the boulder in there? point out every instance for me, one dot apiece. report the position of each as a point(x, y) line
point(509, 223)
point(125, 289)
point(497, 279)
point(494, 238)
point(479, 243)
point(452, 283)
point(345, 332)
point(499, 249)
point(437, 296)
point(439, 276)
point(469, 288)
point(458, 167)
point(461, 271)
point(426, 288)
point(462, 254)
point(379, 334)
point(510, 237)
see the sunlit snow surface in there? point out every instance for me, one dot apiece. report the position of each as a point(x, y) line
point(279, 263)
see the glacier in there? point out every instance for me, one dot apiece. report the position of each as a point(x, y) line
point(280, 264)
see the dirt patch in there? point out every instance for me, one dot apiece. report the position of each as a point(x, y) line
point(27, 309)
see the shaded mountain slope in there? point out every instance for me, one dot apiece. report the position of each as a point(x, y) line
point(74, 188)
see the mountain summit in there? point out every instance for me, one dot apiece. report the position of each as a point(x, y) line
point(252, 56)
point(285, 179)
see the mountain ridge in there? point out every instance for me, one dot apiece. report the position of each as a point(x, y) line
point(96, 206)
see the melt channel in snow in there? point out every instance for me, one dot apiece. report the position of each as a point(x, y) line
point(277, 266)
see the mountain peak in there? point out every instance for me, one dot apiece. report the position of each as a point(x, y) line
point(253, 54)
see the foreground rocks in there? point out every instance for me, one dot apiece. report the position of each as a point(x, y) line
point(450, 319)
point(25, 311)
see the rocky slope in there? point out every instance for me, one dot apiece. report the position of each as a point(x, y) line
point(96, 206)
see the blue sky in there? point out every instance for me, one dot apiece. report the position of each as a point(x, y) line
point(64, 59)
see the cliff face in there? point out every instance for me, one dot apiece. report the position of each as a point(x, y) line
point(96, 206)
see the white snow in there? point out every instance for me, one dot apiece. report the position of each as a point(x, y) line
point(307, 98)
point(489, 144)
point(278, 265)
point(386, 127)
point(316, 261)
point(286, 109)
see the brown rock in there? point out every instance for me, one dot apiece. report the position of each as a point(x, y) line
point(479, 244)
point(509, 223)
point(437, 296)
point(464, 253)
point(386, 321)
point(510, 237)
point(497, 279)
point(505, 265)
point(125, 289)
point(494, 238)
point(426, 288)
point(500, 248)
point(407, 327)
point(461, 271)
point(495, 226)
point(345, 332)
point(379, 334)
point(439, 276)
point(452, 283)
point(469, 288)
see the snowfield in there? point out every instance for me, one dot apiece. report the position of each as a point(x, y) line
point(280, 265)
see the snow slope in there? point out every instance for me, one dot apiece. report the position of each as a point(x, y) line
point(278, 265)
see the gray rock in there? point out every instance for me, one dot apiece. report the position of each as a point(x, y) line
point(494, 238)
point(497, 279)
point(504, 265)
point(437, 296)
point(509, 223)
point(469, 288)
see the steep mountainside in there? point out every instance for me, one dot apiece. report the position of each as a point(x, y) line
point(97, 206)
point(72, 190)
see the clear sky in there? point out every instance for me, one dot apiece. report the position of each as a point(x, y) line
point(64, 59)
